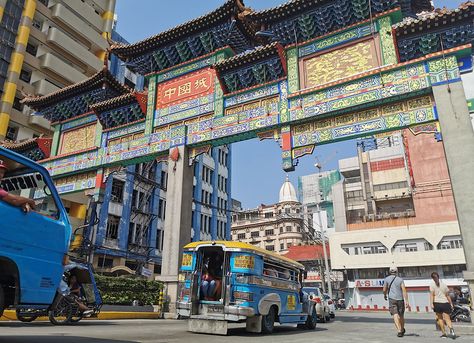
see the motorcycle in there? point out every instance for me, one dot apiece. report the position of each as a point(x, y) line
point(460, 313)
point(65, 308)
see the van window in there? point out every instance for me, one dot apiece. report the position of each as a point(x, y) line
point(278, 271)
point(20, 180)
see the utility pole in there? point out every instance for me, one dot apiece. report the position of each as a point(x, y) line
point(323, 234)
point(326, 262)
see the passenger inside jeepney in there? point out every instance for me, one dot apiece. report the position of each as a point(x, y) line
point(211, 282)
point(15, 200)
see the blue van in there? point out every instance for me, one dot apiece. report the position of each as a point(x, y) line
point(34, 245)
point(222, 282)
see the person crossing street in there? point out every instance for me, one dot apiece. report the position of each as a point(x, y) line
point(395, 292)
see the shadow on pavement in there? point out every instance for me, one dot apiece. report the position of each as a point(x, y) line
point(57, 339)
point(15, 324)
point(280, 330)
point(362, 319)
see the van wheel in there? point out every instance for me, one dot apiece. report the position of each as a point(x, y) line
point(2, 301)
point(268, 321)
point(311, 320)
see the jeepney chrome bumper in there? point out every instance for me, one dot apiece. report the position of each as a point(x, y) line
point(231, 312)
point(239, 311)
point(183, 308)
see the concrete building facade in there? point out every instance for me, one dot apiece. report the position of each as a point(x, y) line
point(316, 189)
point(399, 206)
point(49, 44)
point(132, 227)
point(274, 227)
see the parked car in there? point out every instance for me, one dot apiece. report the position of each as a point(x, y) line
point(322, 309)
point(331, 305)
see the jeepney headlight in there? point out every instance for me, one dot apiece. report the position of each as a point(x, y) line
point(243, 296)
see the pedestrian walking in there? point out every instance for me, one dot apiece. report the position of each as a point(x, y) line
point(394, 290)
point(442, 305)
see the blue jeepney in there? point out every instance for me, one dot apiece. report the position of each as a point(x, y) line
point(248, 284)
point(33, 246)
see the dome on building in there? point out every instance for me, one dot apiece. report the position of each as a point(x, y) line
point(288, 192)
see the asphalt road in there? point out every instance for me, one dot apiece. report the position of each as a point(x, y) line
point(349, 327)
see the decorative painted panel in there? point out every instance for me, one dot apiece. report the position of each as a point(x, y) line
point(126, 130)
point(395, 82)
point(339, 64)
point(77, 139)
point(293, 72)
point(76, 182)
point(219, 94)
point(190, 86)
point(150, 106)
point(387, 117)
point(187, 68)
point(79, 122)
point(332, 41)
point(443, 69)
point(252, 95)
point(389, 54)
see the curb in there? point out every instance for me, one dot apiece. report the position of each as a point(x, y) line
point(106, 315)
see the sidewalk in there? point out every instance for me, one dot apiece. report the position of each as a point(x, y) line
point(108, 312)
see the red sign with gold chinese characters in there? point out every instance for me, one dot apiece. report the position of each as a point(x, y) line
point(190, 86)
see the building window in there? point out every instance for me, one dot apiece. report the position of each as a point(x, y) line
point(241, 236)
point(17, 104)
point(282, 246)
point(269, 232)
point(44, 2)
point(268, 215)
point(255, 234)
point(270, 247)
point(112, 227)
point(450, 243)
point(288, 229)
point(36, 23)
point(105, 262)
point(406, 247)
point(117, 191)
point(164, 180)
point(281, 230)
point(31, 49)
point(25, 75)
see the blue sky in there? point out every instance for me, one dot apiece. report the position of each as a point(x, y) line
point(256, 166)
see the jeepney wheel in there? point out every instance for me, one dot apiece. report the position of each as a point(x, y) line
point(312, 320)
point(268, 321)
point(25, 319)
point(61, 313)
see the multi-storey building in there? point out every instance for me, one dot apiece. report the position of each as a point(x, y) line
point(47, 45)
point(274, 227)
point(134, 225)
point(314, 190)
point(398, 205)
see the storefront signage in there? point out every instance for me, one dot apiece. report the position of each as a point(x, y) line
point(369, 283)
